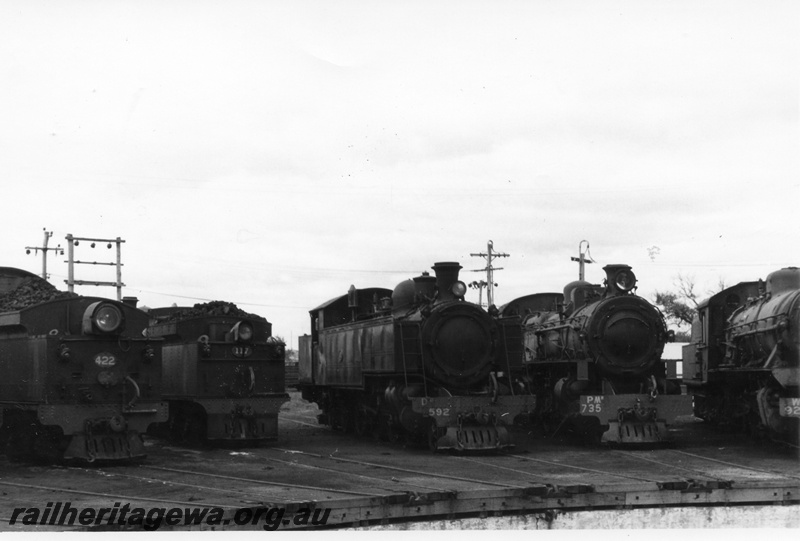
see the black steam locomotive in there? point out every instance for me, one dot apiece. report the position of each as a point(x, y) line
point(742, 362)
point(223, 373)
point(593, 356)
point(417, 362)
point(78, 378)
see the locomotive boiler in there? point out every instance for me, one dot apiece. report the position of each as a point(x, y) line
point(78, 378)
point(593, 356)
point(742, 362)
point(223, 373)
point(417, 363)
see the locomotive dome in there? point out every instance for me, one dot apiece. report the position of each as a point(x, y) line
point(410, 292)
point(783, 280)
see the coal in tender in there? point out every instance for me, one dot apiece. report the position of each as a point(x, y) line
point(213, 308)
point(31, 291)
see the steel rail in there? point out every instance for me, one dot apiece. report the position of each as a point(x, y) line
point(347, 473)
point(735, 465)
point(239, 493)
point(404, 470)
point(562, 465)
point(631, 454)
point(114, 496)
point(261, 481)
point(283, 418)
point(499, 467)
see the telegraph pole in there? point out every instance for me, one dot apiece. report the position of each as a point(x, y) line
point(44, 249)
point(72, 282)
point(489, 256)
point(581, 259)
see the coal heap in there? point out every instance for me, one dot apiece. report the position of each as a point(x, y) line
point(213, 308)
point(31, 291)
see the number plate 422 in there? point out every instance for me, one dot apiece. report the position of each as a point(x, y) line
point(105, 360)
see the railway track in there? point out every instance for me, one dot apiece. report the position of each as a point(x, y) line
point(365, 481)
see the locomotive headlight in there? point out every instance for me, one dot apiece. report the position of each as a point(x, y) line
point(102, 317)
point(242, 331)
point(459, 289)
point(625, 280)
point(148, 354)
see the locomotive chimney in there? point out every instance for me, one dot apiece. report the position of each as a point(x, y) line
point(446, 276)
point(130, 301)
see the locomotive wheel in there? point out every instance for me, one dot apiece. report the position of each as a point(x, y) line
point(339, 419)
point(49, 444)
point(20, 446)
point(433, 436)
point(347, 422)
point(395, 434)
point(361, 424)
point(19, 435)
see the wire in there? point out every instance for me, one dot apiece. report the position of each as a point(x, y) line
point(212, 300)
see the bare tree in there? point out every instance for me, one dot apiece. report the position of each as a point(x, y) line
point(680, 306)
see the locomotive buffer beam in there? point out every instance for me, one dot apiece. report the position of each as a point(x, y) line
point(635, 418)
point(469, 422)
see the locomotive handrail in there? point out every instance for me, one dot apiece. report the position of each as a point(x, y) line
point(759, 330)
point(508, 361)
point(546, 329)
point(136, 388)
point(403, 354)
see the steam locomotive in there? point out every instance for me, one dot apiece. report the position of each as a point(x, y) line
point(223, 373)
point(417, 363)
point(742, 362)
point(78, 378)
point(593, 357)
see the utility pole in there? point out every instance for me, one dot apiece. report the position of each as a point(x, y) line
point(44, 249)
point(489, 256)
point(72, 282)
point(479, 285)
point(581, 259)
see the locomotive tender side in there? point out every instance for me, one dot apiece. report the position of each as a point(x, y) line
point(742, 362)
point(593, 355)
point(78, 379)
point(417, 362)
point(224, 373)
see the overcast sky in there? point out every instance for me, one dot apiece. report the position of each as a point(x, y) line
point(273, 153)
